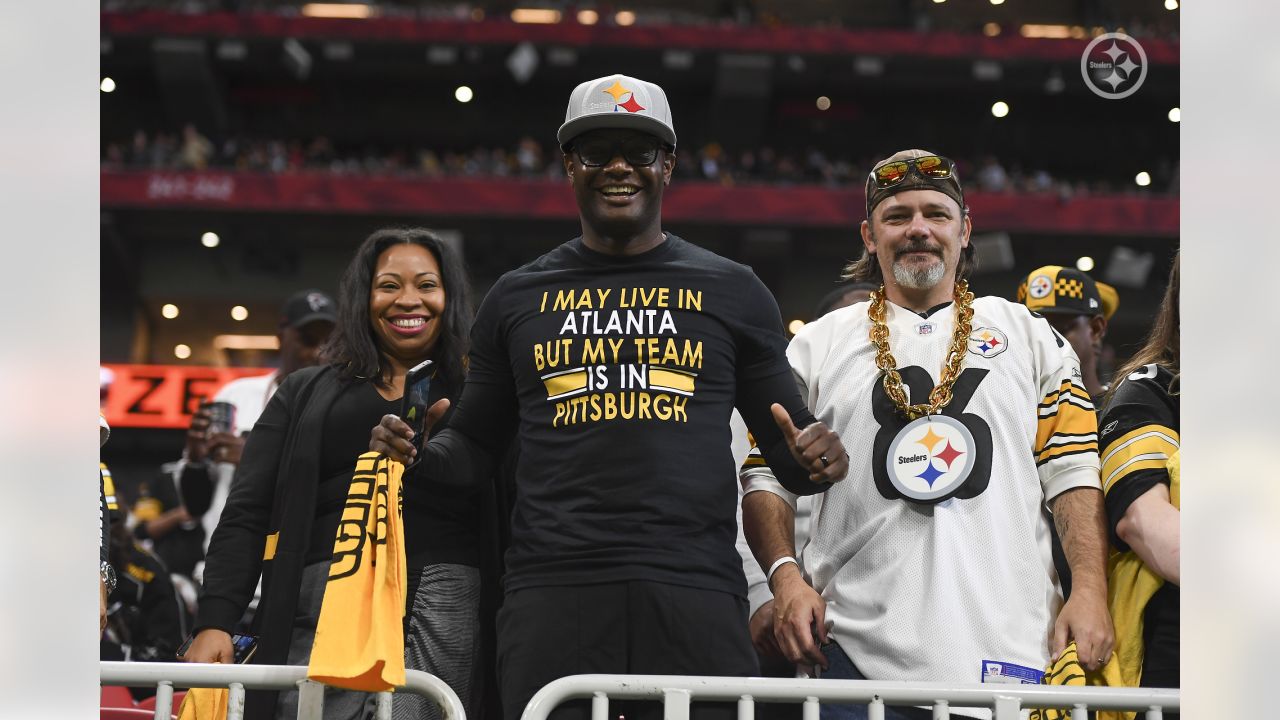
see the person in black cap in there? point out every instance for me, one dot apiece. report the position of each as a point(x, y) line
point(1078, 308)
point(843, 295)
point(965, 419)
point(180, 509)
point(616, 360)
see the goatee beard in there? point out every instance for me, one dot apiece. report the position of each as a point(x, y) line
point(919, 278)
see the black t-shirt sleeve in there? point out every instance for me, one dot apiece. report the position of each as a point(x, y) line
point(1138, 434)
point(480, 428)
point(765, 377)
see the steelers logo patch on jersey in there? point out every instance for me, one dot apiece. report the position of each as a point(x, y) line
point(1040, 286)
point(987, 342)
point(931, 457)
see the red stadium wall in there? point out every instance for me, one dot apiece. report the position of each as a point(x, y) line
point(686, 201)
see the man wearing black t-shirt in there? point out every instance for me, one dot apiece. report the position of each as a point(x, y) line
point(617, 359)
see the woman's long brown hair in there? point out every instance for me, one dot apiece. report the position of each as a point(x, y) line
point(1161, 347)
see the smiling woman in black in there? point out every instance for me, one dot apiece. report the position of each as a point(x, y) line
point(403, 300)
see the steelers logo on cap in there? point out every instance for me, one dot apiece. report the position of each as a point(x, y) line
point(1040, 287)
point(930, 458)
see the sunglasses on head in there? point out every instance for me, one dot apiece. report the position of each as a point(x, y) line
point(598, 152)
point(930, 167)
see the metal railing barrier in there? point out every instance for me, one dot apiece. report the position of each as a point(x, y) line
point(238, 678)
point(1006, 701)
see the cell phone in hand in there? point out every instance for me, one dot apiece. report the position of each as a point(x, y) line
point(242, 647)
point(413, 408)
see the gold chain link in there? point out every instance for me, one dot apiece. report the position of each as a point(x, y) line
point(941, 394)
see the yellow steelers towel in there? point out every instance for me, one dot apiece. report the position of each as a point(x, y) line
point(1065, 671)
point(204, 704)
point(359, 641)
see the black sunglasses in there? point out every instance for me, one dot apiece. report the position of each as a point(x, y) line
point(595, 152)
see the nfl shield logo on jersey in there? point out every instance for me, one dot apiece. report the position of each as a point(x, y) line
point(987, 342)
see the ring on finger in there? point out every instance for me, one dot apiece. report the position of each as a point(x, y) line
point(825, 462)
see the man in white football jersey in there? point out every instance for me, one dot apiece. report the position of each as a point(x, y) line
point(966, 423)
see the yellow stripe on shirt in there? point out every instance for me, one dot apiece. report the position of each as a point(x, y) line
point(1070, 419)
point(570, 382)
point(1069, 388)
point(664, 379)
point(1145, 448)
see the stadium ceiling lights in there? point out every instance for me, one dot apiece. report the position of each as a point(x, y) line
point(246, 342)
point(1175, 115)
point(1000, 109)
point(1143, 179)
point(535, 16)
point(182, 351)
point(239, 313)
point(210, 240)
point(169, 311)
point(1084, 263)
point(463, 94)
point(347, 11)
point(588, 17)
point(1055, 32)
point(108, 85)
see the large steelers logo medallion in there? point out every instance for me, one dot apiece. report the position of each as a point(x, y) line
point(930, 458)
point(1040, 287)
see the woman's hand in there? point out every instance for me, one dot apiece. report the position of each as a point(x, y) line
point(210, 646)
point(393, 437)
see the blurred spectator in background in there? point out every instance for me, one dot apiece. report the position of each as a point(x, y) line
point(107, 574)
point(992, 176)
point(196, 151)
point(209, 460)
point(145, 621)
point(1077, 307)
point(844, 295)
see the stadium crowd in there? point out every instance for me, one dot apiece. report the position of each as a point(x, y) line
point(569, 501)
point(189, 149)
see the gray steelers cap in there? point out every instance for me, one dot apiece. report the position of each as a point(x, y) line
point(617, 101)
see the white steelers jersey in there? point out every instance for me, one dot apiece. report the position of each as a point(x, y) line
point(933, 554)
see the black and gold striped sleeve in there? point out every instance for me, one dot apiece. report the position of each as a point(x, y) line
point(1066, 423)
point(1139, 430)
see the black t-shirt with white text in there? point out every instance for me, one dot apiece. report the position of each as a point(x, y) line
point(619, 375)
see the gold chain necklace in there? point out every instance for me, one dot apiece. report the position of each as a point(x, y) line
point(941, 394)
